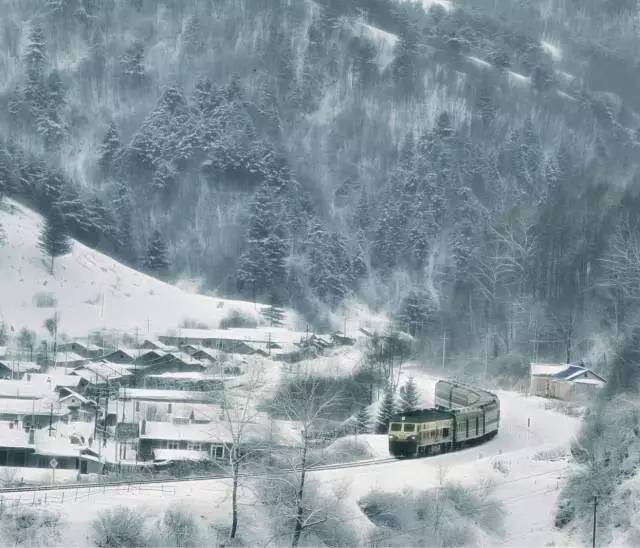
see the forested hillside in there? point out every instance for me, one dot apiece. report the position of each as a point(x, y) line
point(469, 166)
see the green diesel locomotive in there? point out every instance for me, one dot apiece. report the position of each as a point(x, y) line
point(464, 415)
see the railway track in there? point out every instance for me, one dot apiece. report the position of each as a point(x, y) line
point(156, 481)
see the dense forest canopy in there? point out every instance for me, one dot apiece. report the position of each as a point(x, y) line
point(471, 167)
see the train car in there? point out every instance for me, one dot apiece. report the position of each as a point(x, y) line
point(420, 432)
point(463, 415)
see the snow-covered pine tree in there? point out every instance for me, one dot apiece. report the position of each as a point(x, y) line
point(416, 312)
point(35, 56)
point(387, 410)
point(109, 149)
point(132, 65)
point(274, 315)
point(53, 237)
point(156, 260)
point(362, 421)
point(409, 397)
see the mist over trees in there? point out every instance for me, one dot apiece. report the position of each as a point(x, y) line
point(472, 172)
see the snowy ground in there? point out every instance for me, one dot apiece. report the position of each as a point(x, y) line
point(524, 463)
point(91, 290)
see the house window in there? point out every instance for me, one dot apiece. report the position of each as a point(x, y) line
point(445, 432)
point(173, 444)
point(216, 451)
point(137, 406)
point(169, 408)
point(194, 446)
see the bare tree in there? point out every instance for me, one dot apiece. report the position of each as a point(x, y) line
point(239, 414)
point(306, 405)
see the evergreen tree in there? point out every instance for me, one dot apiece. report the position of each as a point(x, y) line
point(156, 260)
point(409, 398)
point(387, 410)
point(362, 421)
point(54, 240)
point(274, 315)
point(132, 67)
point(35, 56)
point(109, 149)
point(416, 312)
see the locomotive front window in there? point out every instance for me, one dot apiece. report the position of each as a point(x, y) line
point(395, 427)
point(409, 427)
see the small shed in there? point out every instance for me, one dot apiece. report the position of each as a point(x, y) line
point(564, 381)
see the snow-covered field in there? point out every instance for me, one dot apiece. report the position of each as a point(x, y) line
point(525, 464)
point(91, 290)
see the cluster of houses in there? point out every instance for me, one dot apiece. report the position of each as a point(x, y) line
point(84, 407)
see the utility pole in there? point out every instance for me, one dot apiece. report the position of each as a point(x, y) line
point(444, 347)
point(595, 514)
point(51, 420)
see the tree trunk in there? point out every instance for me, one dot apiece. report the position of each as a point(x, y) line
point(300, 506)
point(234, 497)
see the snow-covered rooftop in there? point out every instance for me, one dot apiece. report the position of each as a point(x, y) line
point(24, 389)
point(61, 358)
point(42, 406)
point(19, 366)
point(547, 369)
point(152, 394)
point(55, 378)
point(179, 455)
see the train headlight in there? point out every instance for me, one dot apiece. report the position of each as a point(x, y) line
point(392, 437)
point(412, 437)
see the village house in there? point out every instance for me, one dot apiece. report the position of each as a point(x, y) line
point(183, 380)
point(80, 407)
point(57, 380)
point(63, 360)
point(154, 344)
point(123, 355)
point(86, 350)
point(36, 413)
point(15, 369)
point(38, 449)
point(564, 381)
point(234, 340)
point(161, 441)
point(157, 404)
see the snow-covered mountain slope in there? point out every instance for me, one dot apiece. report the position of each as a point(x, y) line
point(90, 290)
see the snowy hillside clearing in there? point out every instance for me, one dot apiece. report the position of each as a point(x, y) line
point(90, 290)
point(384, 41)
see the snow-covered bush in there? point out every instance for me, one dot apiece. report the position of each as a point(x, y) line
point(120, 527)
point(235, 318)
point(180, 529)
point(448, 516)
point(190, 323)
point(26, 526)
point(347, 449)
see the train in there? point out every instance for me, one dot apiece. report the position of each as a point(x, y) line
point(463, 415)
